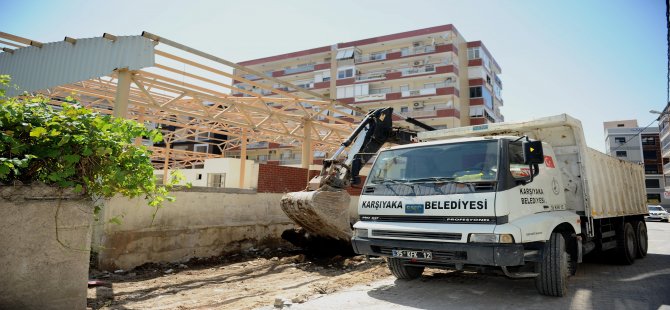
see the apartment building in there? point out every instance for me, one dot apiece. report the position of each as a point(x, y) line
point(432, 74)
point(664, 128)
point(626, 141)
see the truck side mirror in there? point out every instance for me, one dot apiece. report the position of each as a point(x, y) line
point(532, 153)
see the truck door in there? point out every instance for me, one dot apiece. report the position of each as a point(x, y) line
point(530, 198)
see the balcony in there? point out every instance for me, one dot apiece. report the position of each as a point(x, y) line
point(417, 70)
point(298, 69)
point(666, 169)
point(370, 97)
point(417, 50)
point(418, 92)
point(371, 57)
point(430, 113)
point(399, 53)
point(371, 76)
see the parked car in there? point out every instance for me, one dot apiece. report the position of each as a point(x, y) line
point(657, 213)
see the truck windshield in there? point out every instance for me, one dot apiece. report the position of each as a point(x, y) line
point(454, 162)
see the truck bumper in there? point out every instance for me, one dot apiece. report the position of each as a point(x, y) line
point(447, 253)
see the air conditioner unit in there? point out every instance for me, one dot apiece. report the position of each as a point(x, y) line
point(419, 62)
point(418, 104)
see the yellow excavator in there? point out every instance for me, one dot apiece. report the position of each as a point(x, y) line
point(322, 209)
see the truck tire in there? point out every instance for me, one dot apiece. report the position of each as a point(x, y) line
point(403, 272)
point(553, 269)
point(642, 241)
point(626, 248)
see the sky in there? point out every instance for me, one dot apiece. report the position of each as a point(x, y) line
point(595, 60)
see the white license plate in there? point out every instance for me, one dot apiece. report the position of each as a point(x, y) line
point(412, 254)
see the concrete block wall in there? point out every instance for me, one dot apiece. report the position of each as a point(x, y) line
point(200, 223)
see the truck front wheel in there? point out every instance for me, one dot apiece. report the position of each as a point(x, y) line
point(553, 269)
point(402, 271)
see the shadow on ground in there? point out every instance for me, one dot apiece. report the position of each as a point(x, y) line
point(643, 285)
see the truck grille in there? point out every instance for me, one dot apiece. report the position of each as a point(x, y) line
point(415, 235)
point(435, 219)
point(437, 255)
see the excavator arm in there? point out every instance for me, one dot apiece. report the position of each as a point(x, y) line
point(322, 209)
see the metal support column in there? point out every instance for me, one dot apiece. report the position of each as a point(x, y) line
point(307, 144)
point(166, 164)
point(243, 158)
point(122, 93)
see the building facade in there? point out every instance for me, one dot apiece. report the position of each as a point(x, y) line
point(432, 74)
point(664, 128)
point(626, 141)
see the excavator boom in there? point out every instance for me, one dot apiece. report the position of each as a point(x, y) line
point(322, 209)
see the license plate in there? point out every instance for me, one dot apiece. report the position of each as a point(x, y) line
point(412, 254)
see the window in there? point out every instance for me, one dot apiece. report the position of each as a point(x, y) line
point(651, 169)
point(434, 85)
point(216, 179)
point(648, 140)
point(654, 198)
point(345, 53)
point(620, 140)
point(346, 73)
point(345, 91)
point(488, 80)
point(404, 109)
point(378, 56)
point(649, 154)
point(361, 89)
point(476, 111)
point(652, 183)
point(621, 154)
point(385, 90)
point(620, 125)
point(516, 165)
point(473, 53)
point(404, 87)
point(476, 92)
point(198, 176)
point(201, 148)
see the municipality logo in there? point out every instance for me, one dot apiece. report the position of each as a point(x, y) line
point(414, 209)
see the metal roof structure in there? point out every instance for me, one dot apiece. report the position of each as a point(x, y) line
point(188, 93)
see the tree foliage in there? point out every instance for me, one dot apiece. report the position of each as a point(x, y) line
point(74, 147)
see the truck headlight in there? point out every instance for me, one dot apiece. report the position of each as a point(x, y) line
point(360, 233)
point(491, 238)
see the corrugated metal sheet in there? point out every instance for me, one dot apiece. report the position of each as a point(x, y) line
point(58, 63)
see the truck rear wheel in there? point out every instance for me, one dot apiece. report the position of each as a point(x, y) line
point(553, 269)
point(642, 242)
point(402, 271)
point(625, 248)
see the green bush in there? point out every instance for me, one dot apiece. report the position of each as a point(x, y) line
point(74, 147)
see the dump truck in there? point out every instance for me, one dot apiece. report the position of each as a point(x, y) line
point(525, 199)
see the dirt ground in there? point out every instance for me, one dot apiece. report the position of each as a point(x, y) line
point(243, 281)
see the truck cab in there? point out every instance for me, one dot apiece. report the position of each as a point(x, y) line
point(459, 203)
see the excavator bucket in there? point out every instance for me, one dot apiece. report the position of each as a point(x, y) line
point(323, 212)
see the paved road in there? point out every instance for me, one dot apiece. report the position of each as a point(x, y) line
point(643, 285)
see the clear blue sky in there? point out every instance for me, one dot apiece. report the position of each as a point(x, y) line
point(595, 60)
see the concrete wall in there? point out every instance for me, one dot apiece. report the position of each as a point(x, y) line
point(36, 270)
point(200, 223)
